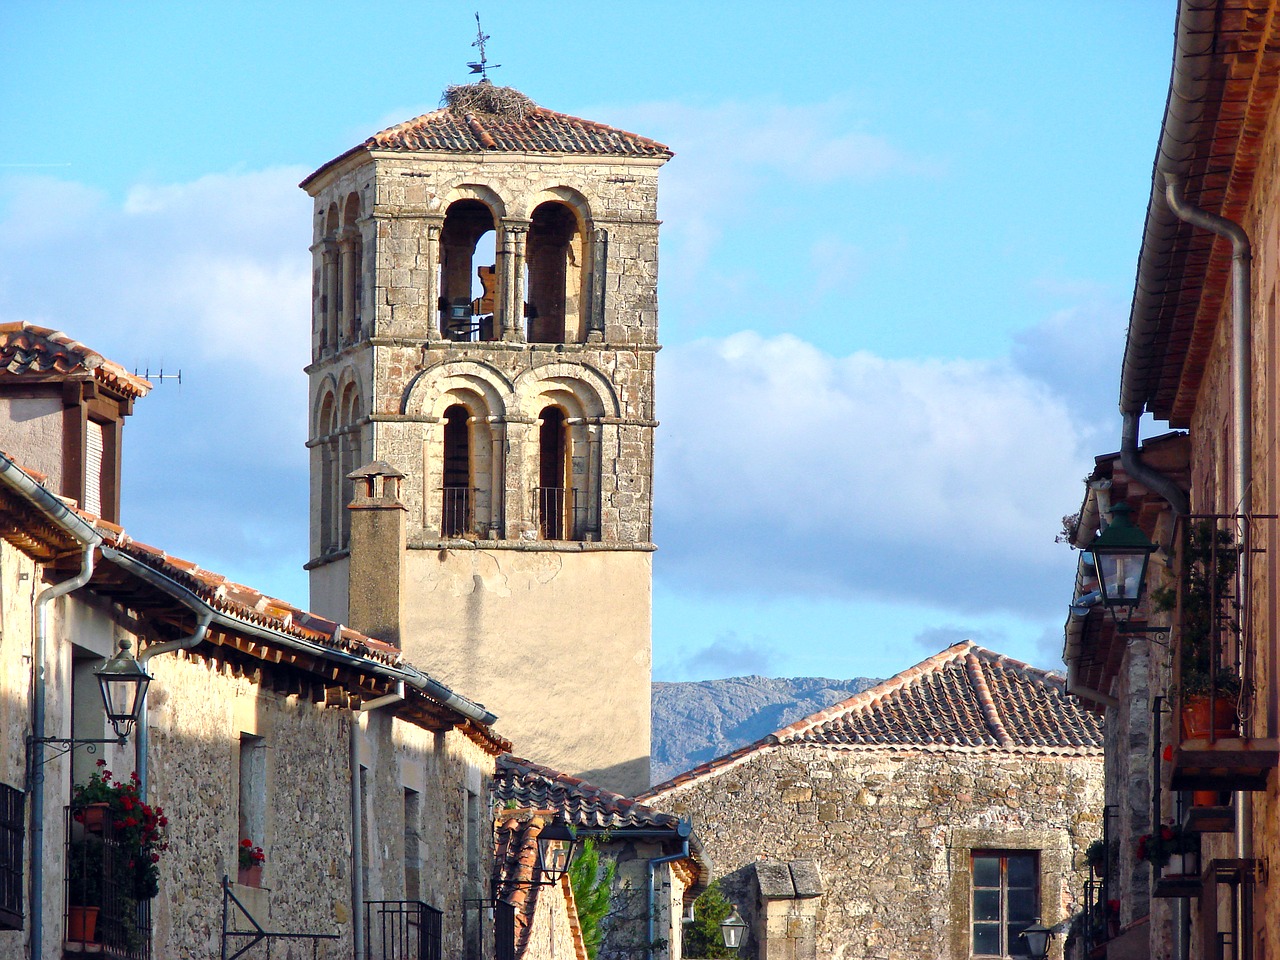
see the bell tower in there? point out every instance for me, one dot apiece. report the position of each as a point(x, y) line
point(484, 321)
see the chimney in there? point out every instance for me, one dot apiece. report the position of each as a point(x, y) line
point(375, 575)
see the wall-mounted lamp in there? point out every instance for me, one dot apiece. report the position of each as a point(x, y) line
point(1120, 555)
point(731, 929)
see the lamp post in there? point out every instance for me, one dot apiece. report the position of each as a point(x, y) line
point(1120, 555)
point(732, 928)
point(124, 682)
point(1037, 936)
point(556, 843)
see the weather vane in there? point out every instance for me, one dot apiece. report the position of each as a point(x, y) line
point(482, 65)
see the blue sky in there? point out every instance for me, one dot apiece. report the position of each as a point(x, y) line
point(898, 250)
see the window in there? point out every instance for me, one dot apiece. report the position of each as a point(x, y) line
point(12, 807)
point(412, 856)
point(551, 475)
point(252, 809)
point(554, 258)
point(1006, 900)
point(466, 297)
point(456, 509)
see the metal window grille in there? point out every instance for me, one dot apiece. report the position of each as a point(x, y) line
point(12, 810)
point(100, 903)
point(457, 517)
point(560, 514)
point(402, 930)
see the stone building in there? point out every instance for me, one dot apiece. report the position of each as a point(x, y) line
point(660, 863)
point(934, 815)
point(364, 780)
point(1201, 354)
point(485, 325)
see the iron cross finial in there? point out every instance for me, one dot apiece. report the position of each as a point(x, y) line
point(482, 65)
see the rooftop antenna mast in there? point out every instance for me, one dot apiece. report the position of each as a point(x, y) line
point(482, 65)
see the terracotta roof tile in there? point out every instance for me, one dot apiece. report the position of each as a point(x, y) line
point(965, 698)
point(515, 861)
point(30, 351)
point(582, 804)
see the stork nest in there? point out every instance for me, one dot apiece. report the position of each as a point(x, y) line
point(485, 97)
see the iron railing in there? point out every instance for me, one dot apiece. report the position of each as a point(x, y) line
point(504, 930)
point(457, 511)
point(402, 930)
point(101, 906)
point(561, 515)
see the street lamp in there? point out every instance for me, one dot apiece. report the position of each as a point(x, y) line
point(1120, 554)
point(555, 851)
point(731, 928)
point(1037, 936)
point(123, 681)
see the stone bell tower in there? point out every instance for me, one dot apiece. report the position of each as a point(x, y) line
point(485, 322)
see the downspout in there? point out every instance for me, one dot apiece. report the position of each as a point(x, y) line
point(357, 841)
point(1241, 403)
point(142, 737)
point(67, 520)
point(357, 817)
point(37, 786)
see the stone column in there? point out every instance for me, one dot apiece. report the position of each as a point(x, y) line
point(515, 234)
point(592, 518)
point(329, 330)
point(431, 254)
point(497, 470)
point(375, 604)
point(347, 257)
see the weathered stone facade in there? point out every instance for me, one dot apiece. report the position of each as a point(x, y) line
point(522, 420)
point(892, 826)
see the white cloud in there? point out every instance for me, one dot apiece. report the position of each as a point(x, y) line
point(210, 277)
point(785, 469)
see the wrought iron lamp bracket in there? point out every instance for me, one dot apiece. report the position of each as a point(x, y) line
point(68, 744)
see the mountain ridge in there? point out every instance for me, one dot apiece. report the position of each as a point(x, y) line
point(694, 721)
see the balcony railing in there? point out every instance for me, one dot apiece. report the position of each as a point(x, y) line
point(401, 930)
point(457, 511)
point(561, 514)
point(101, 913)
point(1221, 744)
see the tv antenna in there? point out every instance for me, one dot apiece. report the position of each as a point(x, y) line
point(158, 377)
point(482, 66)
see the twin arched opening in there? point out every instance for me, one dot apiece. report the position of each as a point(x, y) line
point(338, 281)
point(340, 451)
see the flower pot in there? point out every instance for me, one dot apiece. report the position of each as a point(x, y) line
point(1180, 865)
point(1205, 798)
point(94, 817)
point(250, 876)
point(82, 924)
point(1196, 721)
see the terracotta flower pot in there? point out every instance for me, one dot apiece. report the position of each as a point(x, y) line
point(1196, 721)
point(250, 876)
point(82, 924)
point(94, 817)
point(1204, 798)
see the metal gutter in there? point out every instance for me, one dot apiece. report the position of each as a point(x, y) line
point(412, 677)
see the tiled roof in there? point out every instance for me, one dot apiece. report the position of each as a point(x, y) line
point(965, 699)
point(28, 350)
point(532, 129)
point(538, 131)
point(584, 805)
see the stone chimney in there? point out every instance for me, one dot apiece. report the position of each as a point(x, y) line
point(375, 569)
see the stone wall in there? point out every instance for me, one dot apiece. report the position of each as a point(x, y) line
point(891, 833)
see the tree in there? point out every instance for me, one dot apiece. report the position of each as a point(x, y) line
point(702, 938)
point(591, 888)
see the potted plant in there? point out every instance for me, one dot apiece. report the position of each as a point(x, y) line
point(136, 830)
point(251, 860)
point(85, 877)
point(1170, 846)
point(1209, 609)
point(1096, 856)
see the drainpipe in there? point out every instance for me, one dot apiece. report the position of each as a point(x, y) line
point(357, 842)
point(684, 828)
point(142, 735)
point(1241, 402)
point(72, 524)
point(1149, 477)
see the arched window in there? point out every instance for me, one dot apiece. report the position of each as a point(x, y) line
point(553, 253)
point(554, 498)
point(326, 430)
point(349, 458)
point(468, 279)
point(457, 504)
point(351, 285)
point(331, 283)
